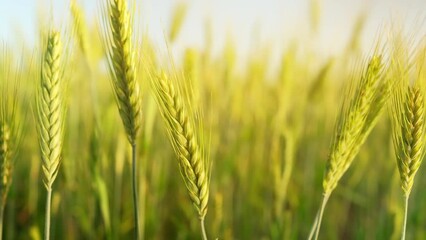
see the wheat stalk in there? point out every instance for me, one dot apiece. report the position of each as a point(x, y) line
point(121, 58)
point(356, 120)
point(50, 113)
point(180, 128)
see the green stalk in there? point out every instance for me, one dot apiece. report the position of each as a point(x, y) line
point(404, 228)
point(314, 226)
point(203, 229)
point(317, 224)
point(1, 220)
point(135, 193)
point(47, 220)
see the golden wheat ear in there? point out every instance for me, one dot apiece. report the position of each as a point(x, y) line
point(183, 137)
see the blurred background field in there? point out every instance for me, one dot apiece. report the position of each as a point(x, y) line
point(268, 76)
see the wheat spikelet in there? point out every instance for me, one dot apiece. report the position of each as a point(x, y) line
point(355, 122)
point(184, 141)
point(50, 110)
point(121, 57)
point(408, 132)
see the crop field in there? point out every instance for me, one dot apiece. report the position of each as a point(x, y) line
point(106, 134)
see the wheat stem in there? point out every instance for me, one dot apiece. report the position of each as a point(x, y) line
point(47, 217)
point(203, 229)
point(404, 228)
point(323, 204)
point(135, 193)
point(314, 226)
point(1, 220)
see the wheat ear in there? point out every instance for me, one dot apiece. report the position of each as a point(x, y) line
point(50, 112)
point(352, 125)
point(121, 58)
point(409, 130)
point(180, 128)
point(356, 119)
point(407, 113)
point(408, 124)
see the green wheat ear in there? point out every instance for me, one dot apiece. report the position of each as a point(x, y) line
point(408, 132)
point(50, 109)
point(117, 35)
point(407, 110)
point(50, 114)
point(183, 137)
point(358, 115)
point(356, 119)
point(184, 141)
point(121, 58)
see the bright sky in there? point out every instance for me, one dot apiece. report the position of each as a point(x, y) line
point(275, 22)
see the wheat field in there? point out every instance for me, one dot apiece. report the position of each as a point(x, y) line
point(106, 135)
